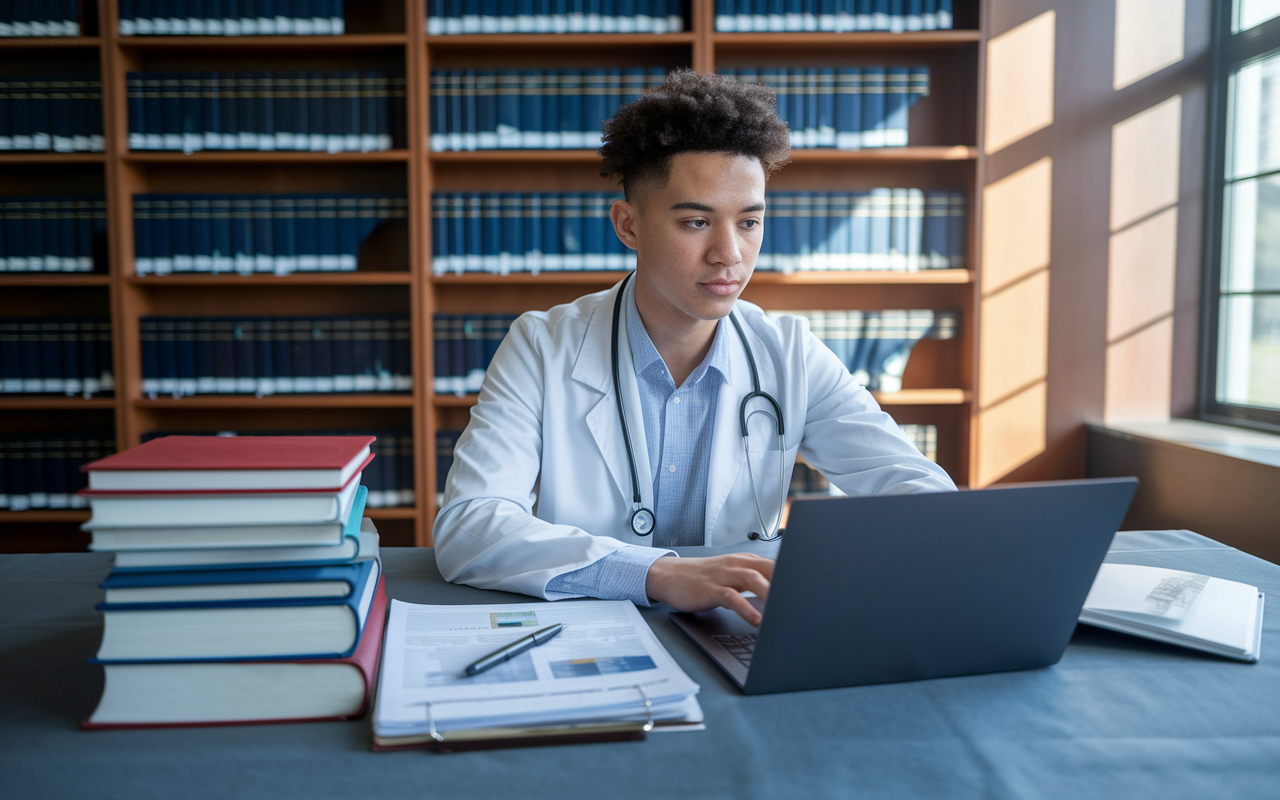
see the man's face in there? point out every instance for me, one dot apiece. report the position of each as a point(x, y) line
point(697, 237)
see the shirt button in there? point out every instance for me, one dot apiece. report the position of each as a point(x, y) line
point(673, 468)
point(677, 401)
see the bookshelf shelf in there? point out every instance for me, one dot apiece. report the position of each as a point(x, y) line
point(45, 515)
point(922, 397)
point(927, 277)
point(18, 159)
point(53, 403)
point(798, 156)
point(349, 43)
point(864, 40)
point(391, 512)
point(559, 40)
point(49, 42)
point(454, 400)
point(54, 279)
point(206, 402)
point(295, 279)
point(263, 157)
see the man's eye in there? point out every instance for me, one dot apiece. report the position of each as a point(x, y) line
point(750, 223)
point(698, 223)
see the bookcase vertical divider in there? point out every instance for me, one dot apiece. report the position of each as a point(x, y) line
point(421, 303)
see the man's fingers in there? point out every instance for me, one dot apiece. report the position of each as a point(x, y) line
point(749, 580)
point(742, 607)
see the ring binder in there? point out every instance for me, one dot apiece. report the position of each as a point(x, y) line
point(648, 709)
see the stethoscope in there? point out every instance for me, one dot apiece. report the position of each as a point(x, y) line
point(643, 521)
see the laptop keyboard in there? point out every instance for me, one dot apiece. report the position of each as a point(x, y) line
point(741, 646)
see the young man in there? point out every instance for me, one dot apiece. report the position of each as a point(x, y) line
point(548, 497)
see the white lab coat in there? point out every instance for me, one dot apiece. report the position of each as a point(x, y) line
point(540, 484)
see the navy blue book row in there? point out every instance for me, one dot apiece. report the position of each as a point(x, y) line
point(875, 345)
point(231, 17)
point(848, 108)
point(445, 442)
point(45, 472)
point(51, 234)
point(837, 16)
point(452, 17)
point(900, 230)
point(40, 18)
point(62, 114)
point(244, 234)
point(464, 346)
point(502, 233)
point(330, 112)
point(389, 477)
point(485, 109)
point(55, 355)
point(274, 355)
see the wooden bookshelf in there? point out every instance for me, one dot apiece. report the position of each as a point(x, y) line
point(45, 515)
point(398, 277)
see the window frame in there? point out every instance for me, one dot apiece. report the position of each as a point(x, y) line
point(1230, 52)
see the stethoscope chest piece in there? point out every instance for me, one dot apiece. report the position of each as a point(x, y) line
point(642, 522)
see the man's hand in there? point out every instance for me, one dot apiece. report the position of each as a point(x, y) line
point(701, 584)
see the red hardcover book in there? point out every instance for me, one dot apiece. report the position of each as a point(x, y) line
point(232, 464)
point(335, 694)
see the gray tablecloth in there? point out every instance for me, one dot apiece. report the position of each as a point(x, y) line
point(1117, 717)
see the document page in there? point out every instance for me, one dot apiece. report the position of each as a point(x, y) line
point(603, 665)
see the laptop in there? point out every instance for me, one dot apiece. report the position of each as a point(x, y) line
point(906, 587)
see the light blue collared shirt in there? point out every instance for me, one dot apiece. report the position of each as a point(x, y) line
point(678, 425)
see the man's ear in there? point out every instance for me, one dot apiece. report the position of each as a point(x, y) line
point(626, 221)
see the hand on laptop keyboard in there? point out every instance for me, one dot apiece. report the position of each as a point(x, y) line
point(701, 584)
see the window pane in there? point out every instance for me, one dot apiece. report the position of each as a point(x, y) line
point(1251, 243)
point(1249, 351)
point(1255, 119)
point(1254, 12)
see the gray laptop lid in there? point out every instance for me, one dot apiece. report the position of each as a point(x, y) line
point(898, 588)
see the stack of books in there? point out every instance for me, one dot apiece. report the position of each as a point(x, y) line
point(40, 18)
point(246, 18)
point(543, 16)
point(245, 588)
point(58, 113)
point(836, 16)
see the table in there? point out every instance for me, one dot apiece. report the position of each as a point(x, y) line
point(1117, 717)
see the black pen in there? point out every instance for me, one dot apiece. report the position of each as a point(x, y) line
point(510, 651)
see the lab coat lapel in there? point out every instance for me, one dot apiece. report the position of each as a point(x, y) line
point(594, 368)
point(727, 455)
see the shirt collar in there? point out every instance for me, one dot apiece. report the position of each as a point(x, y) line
point(644, 354)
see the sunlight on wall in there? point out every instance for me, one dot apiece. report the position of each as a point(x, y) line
point(1149, 37)
point(1020, 82)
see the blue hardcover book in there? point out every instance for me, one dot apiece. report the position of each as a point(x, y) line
point(510, 246)
point(238, 631)
point(224, 356)
point(362, 356)
point(440, 354)
point(880, 11)
point(29, 337)
point(552, 257)
point(170, 111)
point(913, 11)
point(242, 230)
point(246, 111)
point(595, 91)
point(812, 92)
point(137, 111)
point(458, 231)
point(508, 102)
point(348, 232)
point(898, 229)
point(572, 231)
point(205, 369)
point(531, 235)
point(860, 230)
point(933, 246)
point(69, 338)
point(726, 19)
point(180, 232)
point(486, 102)
point(211, 111)
point(469, 128)
point(142, 212)
point(201, 233)
point(797, 105)
point(957, 227)
point(880, 203)
point(534, 103)
point(897, 88)
point(458, 363)
point(824, 108)
point(167, 355)
point(191, 108)
point(259, 334)
point(161, 238)
point(322, 355)
point(571, 84)
point(473, 332)
point(228, 111)
point(439, 140)
point(326, 233)
point(343, 349)
point(222, 254)
point(915, 229)
point(873, 107)
point(264, 244)
point(384, 354)
point(244, 351)
point(818, 231)
point(802, 230)
point(302, 361)
point(784, 242)
point(474, 232)
point(490, 231)
point(633, 83)
point(306, 233)
point(595, 229)
point(929, 15)
point(944, 14)
point(184, 355)
point(439, 233)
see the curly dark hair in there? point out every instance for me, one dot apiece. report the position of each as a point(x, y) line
point(693, 112)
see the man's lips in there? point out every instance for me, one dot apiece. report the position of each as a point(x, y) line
point(721, 286)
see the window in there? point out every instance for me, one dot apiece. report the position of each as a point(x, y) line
point(1241, 383)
